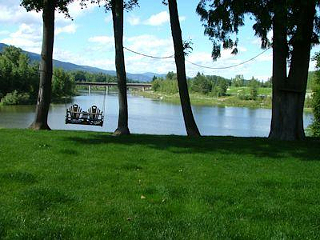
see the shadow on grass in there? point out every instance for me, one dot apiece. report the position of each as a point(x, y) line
point(18, 176)
point(307, 150)
point(44, 198)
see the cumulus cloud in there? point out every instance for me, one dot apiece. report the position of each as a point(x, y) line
point(75, 11)
point(4, 33)
point(155, 20)
point(12, 13)
point(150, 44)
point(86, 58)
point(104, 40)
point(71, 28)
point(158, 19)
point(28, 37)
point(108, 19)
point(134, 20)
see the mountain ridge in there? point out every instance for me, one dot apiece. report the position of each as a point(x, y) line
point(68, 66)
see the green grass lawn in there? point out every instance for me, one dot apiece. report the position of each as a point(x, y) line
point(261, 91)
point(88, 185)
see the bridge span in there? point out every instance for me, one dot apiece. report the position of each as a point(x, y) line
point(107, 85)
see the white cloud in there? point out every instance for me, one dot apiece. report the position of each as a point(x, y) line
point(266, 57)
point(133, 20)
point(28, 37)
point(71, 28)
point(75, 11)
point(155, 20)
point(13, 13)
point(103, 40)
point(4, 33)
point(182, 18)
point(86, 58)
point(150, 45)
point(158, 19)
point(108, 19)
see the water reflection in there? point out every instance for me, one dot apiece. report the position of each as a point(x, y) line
point(150, 116)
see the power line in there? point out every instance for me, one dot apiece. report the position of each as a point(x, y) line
point(220, 68)
point(149, 56)
point(198, 65)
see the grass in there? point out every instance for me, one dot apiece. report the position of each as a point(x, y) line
point(246, 90)
point(88, 185)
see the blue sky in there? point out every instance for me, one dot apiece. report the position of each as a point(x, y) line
point(88, 39)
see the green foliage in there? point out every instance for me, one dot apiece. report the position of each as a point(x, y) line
point(168, 85)
point(128, 4)
point(238, 81)
point(315, 126)
point(254, 86)
point(36, 5)
point(213, 85)
point(171, 76)
point(222, 20)
point(17, 72)
point(15, 98)
point(63, 84)
point(201, 84)
point(155, 84)
point(81, 76)
point(220, 88)
point(19, 79)
point(89, 185)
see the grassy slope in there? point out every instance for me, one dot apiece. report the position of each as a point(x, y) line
point(87, 185)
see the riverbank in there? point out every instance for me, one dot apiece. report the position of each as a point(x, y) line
point(204, 100)
point(84, 185)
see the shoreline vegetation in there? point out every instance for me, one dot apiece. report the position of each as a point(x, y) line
point(203, 100)
point(83, 185)
point(212, 90)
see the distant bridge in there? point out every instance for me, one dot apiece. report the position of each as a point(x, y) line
point(143, 86)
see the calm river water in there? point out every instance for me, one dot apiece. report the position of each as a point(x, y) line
point(151, 117)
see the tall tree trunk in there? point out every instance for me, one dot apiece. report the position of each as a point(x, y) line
point(44, 95)
point(190, 124)
point(117, 14)
point(289, 92)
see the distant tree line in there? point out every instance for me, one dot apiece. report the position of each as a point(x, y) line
point(213, 85)
point(19, 79)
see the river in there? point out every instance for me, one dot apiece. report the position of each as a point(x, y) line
point(151, 117)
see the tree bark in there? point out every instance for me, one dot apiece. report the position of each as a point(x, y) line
point(289, 92)
point(117, 14)
point(46, 68)
point(190, 124)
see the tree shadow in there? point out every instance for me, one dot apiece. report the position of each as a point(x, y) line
point(307, 150)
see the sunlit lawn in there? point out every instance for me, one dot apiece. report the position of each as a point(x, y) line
point(246, 91)
point(88, 185)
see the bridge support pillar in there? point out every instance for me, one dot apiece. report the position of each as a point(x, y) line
point(89, 89)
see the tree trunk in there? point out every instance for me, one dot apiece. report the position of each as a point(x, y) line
point(44, 95)
point(117, 14)
point(289, 92)
point(190, 124)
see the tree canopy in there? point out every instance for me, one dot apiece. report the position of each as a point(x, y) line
point(60, 5)
point(222, 20)
point(128, 5)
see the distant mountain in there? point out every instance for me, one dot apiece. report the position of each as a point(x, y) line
point(142, 77)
